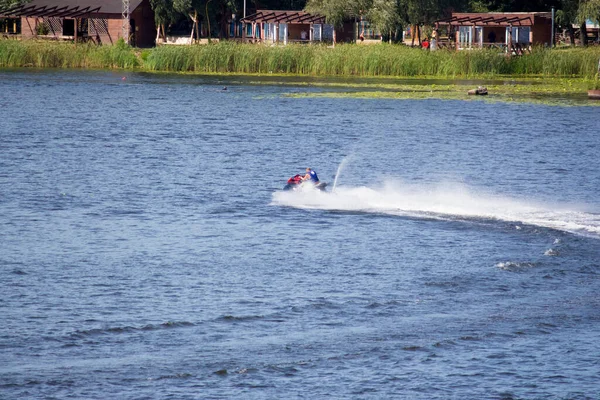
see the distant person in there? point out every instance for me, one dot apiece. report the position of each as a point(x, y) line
point(433, 45)
point(303, 35)
point(311, 176)
point(425, 44)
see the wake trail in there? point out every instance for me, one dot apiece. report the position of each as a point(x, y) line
point(446, 202)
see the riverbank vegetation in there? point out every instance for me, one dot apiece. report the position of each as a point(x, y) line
point(316, 60)
point(43, 54)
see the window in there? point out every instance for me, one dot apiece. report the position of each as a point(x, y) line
point(11, 26)
point(478, 35)
point(317, 32)
point(520, 34)
point(68, 27)
point(465, 36)
point(282, 32)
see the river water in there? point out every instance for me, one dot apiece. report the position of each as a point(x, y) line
point(147, 250)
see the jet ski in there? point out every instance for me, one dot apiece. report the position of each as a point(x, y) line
point(296, 183)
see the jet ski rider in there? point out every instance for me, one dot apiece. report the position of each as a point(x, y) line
point(312, 176)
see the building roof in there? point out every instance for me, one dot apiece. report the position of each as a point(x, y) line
point(68, 8)
point(493, 19)
point(284, 17)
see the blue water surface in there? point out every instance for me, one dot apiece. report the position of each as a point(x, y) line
point(147, 251)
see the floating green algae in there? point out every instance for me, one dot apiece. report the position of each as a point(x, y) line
point(539, 91)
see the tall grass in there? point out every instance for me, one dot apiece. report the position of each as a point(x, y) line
point(344, 60)
point(380, 60)
point(31, 53)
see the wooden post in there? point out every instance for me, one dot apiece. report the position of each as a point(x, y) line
point(531, 36)
point(76, 28)
point(457, 39)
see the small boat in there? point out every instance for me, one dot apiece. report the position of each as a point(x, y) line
point(594, 94)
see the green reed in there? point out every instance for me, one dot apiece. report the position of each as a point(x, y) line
point(44, 54)
point(375, 60)
point(317, 59)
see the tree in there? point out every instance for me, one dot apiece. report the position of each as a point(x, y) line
point(567, 16)
point(385, 16)
point(418, 13)
point(577, 12)
point(338, 11)
point(6, 4)
point(588, 9)
point(334, 12)
point(190, 8)
point(224, 9)
point(164, 14)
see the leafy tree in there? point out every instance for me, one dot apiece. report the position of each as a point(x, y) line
point(385, 16)
point(278, 4)
point(418, 13)
point(334, 12)
point(223, 10)
point(191, 8)
point(6, 4)
point(567, 16)
point(588, 9)
point(510, 5)
point(577, 12)
point(337, 11)
point(164, 14)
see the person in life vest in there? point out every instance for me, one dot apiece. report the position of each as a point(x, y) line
point(311, 175)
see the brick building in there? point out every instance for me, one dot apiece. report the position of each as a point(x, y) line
point(81, 20)
point(506, 30)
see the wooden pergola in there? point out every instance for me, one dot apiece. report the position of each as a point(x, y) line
point(285, 17)
point(457, 20)
point(48, 11)
point(273, 18)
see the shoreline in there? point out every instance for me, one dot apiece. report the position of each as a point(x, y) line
point(513, 89)
point(386, 71)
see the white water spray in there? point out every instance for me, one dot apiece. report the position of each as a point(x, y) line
point(445, 202)
point(339, 170)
